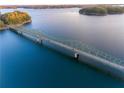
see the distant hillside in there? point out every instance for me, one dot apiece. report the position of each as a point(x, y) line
point(54, 6)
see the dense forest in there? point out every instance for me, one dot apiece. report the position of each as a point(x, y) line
point(115, 10)
point(14, 18)
point(102, 10)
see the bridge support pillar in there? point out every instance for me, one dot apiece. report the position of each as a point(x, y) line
point(39, 40)
point(19, 32)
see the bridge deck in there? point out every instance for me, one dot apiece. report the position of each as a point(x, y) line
point(71, 43)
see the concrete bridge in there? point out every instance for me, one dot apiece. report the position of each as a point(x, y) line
point(78, 50)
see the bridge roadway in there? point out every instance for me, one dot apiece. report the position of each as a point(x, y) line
point(86, 53)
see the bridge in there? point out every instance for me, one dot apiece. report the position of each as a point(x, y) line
point(74, 44)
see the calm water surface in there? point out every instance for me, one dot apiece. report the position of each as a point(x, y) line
point(27, 64)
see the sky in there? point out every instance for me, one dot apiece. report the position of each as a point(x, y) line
point(39, 2)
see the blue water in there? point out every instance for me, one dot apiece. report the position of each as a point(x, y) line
point(24, 63)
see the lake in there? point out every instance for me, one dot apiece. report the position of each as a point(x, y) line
point(24, 63)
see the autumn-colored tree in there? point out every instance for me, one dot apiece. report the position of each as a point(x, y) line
point(15, 17)
point(2, 24)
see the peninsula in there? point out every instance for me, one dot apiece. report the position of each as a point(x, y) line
point(16, 18)
point(102, 10)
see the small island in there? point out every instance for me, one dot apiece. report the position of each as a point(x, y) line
point(15, 18)
point(102, 10)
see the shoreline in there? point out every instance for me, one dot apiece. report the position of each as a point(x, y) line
point(90, 14)
point(93, 14)
point(16, 25)
point(3, 28)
